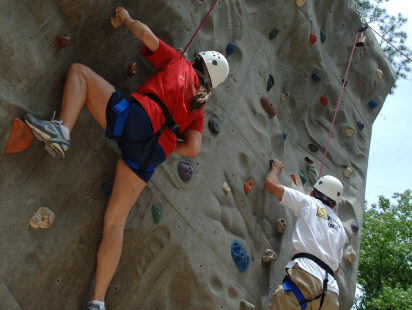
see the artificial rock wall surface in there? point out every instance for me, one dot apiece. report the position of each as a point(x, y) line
point(184, 261)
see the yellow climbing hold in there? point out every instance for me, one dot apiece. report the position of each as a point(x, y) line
point(349, 132)
point(379, 74)
point(300, 3)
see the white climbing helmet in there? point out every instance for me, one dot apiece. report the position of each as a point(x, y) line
point(217, 66)
point(330, 186)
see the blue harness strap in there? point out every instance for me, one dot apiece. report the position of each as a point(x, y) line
point(289, 286)
point(122, 111)
point(136, 166)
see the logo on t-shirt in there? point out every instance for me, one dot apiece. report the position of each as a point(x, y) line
point(322, 213)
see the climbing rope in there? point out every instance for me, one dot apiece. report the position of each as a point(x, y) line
point(390, 44)
point(200, 26)
point(337, 107)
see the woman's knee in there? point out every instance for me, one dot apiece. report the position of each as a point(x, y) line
point(78, 67)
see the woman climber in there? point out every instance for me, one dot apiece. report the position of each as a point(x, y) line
point(146, 127)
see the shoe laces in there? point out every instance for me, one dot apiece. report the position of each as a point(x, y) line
point(55, 121)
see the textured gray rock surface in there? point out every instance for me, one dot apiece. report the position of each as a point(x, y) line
point(183, 262)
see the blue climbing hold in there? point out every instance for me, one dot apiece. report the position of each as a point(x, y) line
point(360, 125)
point(284, 136)
point(373, 104)
point(230, 49)
point(106, 188)
point(273, 33)
point(240, 256)
point(315, 77)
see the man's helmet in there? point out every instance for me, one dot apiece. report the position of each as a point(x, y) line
point(330, 186)
point(216, 65)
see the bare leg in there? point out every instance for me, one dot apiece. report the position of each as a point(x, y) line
point(126, 189)
point(84, 86)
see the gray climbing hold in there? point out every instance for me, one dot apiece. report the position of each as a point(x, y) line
point(313, 148)
point(316, 77)
point(273, 33)
point(214, 125)
point(185, 170)
point(271, 82)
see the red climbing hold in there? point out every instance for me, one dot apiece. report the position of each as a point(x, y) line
point(248, 186)
point(268, 107)
point(62, 41)
point(323, 101)
point(312, 38)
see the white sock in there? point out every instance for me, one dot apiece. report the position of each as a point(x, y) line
point(65, 131)
point(98, 302)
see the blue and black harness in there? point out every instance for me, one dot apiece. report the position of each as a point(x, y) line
point(289, 286)
point(122, 110)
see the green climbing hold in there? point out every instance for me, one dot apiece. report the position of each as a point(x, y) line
point(302, 178)
point(156, 214)
point(322, 36)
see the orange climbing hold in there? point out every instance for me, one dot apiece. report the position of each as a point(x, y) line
point(62, 41)
point(248, 186)
point(295, 179)
point(21, 137)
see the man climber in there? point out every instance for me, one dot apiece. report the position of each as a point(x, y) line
point(317, 244)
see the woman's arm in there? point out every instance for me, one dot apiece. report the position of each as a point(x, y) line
point(191, 145)
point(140, 30)
point(272, 183)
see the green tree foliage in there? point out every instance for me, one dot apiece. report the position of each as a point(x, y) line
point(385, 270)
point(390, 27)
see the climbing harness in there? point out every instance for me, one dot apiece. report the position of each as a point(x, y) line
point(289, 286)
point(122, 111)
point(200, 26)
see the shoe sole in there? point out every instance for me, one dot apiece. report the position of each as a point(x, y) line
point(49, 147)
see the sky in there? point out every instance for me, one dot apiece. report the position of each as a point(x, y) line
point(390, 155)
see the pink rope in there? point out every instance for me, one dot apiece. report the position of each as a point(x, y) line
point(200, 26)
point(390, 44)
point(337, 107)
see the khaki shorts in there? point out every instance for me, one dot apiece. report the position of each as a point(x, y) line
point(310, 287)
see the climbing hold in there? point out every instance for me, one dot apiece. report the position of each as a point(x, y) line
point(346, 82)
point(43, 218)
point(245, 305)
point(300, 3)
point(271, 163)
point(323, 101)
point(360, 125)
point(268, 106)
point(284, 136)
point(312, 38)
point(379, 73)
point(361, 40)
point(106, 188)
point(157, 214)
point(308, 160)
point(363, 27)
point(373, 105)
point(347, 172)
point(116, 22)
point(295, 179)
point(21, 137)
point(349, 132)
point(313, 148)
point(62, 41)
point(226, 188)
point(240, 256)
point(280, 225)
point(248, 186)
point(302, 178)
point(315, 77)
point(273, 33)
point(185, 170)
point(230, 49)
point(269, 256)
point(322, 36)
point(214, 126)
point(132, 69)
point(354, 226)
point(283, 97)
point(271, 82)
point(350, 256)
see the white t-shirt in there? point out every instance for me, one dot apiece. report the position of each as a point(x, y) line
point(318, 231)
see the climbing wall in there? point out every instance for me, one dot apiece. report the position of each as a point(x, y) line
point(181, 258)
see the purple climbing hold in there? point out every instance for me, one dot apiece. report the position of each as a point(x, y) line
point(355, 226)
point(316, 77)
point(373, 105)
point(230, 49)
point(240, 256)
point(271, 82)
point(360, 125)
point(185, 170)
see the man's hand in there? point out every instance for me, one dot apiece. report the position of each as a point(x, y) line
point(272, 183)
point(277, 166)
point(122, 14)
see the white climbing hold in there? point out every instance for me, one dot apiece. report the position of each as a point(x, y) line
point(300, 3)
point(269, 256)
point(245, 305)
point(349, 132)
point(379, 74)
point(350, 256)
point(281, 225)
point(226, 188)
point(347, 172)
point(43, 218)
